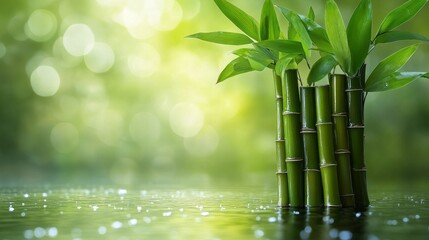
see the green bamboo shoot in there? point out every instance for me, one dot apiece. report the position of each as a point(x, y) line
point(325, 137)
point(342, 151)
point(313, 181)
point(283, 200)
point(356, 127)
point(294, 151)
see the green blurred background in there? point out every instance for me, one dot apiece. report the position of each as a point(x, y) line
point(110, 91)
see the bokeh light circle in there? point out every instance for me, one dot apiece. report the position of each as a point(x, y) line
point(78, 39)
point(100, 59)
point(186, 119)
point(144, 62)
point(41, 25)
point(45, 81)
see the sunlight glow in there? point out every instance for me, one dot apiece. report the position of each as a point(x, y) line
point(45, 81)
point(64, 137)
point(78, 39)
point(41, 25)
point(186, 119)
point(144, 62)
point(100, 59)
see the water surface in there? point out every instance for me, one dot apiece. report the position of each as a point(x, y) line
point(159, 213)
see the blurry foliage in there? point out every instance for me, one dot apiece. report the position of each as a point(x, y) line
point(156, 115)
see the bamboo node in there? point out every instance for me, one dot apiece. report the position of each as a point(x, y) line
point(342, 151)
point(356, 126)
point(281, 173)
point(308, 130)
point(280, 140)
point(354, 89)
point(323, 123)
point(294, 159)
point(291, 113)
point(278, 97)
point(359, 169)
point(311, 170)
point(333, 205)
point(340, 114)
point(328, 165)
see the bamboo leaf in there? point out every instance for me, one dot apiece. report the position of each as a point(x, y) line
point(394, 81)
point(241, 19)
point(337, 35)
point(359, 34)
point(321, 68)
point(311, 14)
point(299, 28)
point(270, 28)
point(390, 64)
point(394, 36)
point(237, 66)
point(285, 46)
point(228, 38)
point(257, 59)
point(285, 63)
point(401, 15)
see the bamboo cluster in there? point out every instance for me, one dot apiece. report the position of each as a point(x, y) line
point(320, 142)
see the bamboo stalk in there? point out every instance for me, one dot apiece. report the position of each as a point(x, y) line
point(313, 179)
point(325, 137)
point(294, 152)
point(356, 127)
point(283, 200)
point(342, 151)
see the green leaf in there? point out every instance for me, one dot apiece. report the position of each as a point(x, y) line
point(237, 66)
point(241, 19)
point(270, 28)
point(391, 64)
point(394, 81)
point(299, 28)
point(257, 59)
point(359, 34)
point(311, 14)
point(284, 63)
point(400, 15)
point(285, 46)
point(321, 68)
point(337, 35)
point(394, 36)
point(227, 38)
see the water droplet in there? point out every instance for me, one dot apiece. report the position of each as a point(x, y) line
point(358, 214)
point(23, 214)
point(132, 222)
point(39, 232)
point(52, 232)
point(272, 219)
point(94, 208)
point(44, 194)
point(102, 230)
point(28, 234)
point(26, 195)
point(11, 209)
point(417, 216)
point(139, 209)
point(405, 219)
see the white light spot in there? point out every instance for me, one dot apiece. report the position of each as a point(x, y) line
point(168, 18)
point(28, 234)
point(166, 214)
point(139, 209)
point(44, 194)
point(147, 220)
point(100, 59)
point(23, 214)
point(186, 119)
point(144, 62)
point(78, 39)
point(64, 137)
point(259, 233)
point(145, 127)
point(122, 191)
point(116, 225)
point(41, 25)
point(191, 8)
point(39, 232)
point(45, 81)
point(95, 208)
point(405, 219)
point(345, 235)
point(102, 230)
point(272, 219)
point(52, 232)
point(204, 214)
point(132, 222)
point(11, 208)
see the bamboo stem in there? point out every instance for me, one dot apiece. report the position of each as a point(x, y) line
point(294, 152)
point(283, 200)
point(356, 127)
point(313, 179)
point(342, 151)
point(325, 137)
